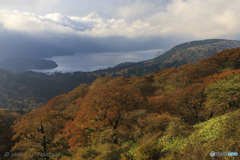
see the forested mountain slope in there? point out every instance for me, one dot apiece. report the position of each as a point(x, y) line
point(20, 92)
point(184, 53)
point(21, 64)
point(176, 113)
point(32, 90)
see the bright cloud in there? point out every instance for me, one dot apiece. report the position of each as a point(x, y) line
point(198, 19)
point(31, 24)
point(27, 5)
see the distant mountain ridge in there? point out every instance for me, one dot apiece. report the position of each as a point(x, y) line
point(97, 15)
point(21, 64)
point(44, 87)
point(189, 52)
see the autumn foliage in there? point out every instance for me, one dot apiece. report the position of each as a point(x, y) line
point(137, 118)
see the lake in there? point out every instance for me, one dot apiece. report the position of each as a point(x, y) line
point(100, 60)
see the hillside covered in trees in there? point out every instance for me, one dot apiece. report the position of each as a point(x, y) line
point(31, 90)
point(189, 52)
point(25, 92)
point(176, 113)
point(21, 64)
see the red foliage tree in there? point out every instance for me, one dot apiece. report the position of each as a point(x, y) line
point(188, 103)
point(103, 109)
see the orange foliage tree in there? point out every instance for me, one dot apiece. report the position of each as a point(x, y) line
point(104, 109)
point(41, 132)
point(188, 103)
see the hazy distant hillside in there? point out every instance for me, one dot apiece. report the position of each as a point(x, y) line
point(22, 86)
point(20, 64)
point(189, 52)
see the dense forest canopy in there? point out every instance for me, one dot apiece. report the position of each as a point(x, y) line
point(175, 113)
point(31, 90)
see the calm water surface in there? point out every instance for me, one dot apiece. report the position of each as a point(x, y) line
point(101, 60)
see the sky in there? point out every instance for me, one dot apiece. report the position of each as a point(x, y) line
point(112, 25)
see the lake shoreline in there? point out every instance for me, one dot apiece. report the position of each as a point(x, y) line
point(88, 62)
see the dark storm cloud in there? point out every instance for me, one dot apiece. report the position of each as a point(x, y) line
point(12, 45)
point(19, 45)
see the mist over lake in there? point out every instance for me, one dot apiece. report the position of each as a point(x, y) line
point(98, 60)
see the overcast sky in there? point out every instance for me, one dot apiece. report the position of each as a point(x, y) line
point(157, 23)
